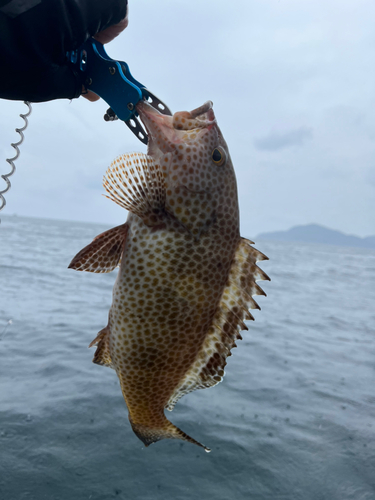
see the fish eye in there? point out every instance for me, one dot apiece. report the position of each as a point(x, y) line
point(218, 156)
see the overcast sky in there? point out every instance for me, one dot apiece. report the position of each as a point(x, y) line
point(293, 87)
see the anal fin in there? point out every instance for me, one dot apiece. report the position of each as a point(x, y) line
point(102, 354)
point(104, 253)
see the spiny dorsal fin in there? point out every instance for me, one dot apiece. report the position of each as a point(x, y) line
point(135, 182)
point(102, 355)
point(228, 321)
point(104, 253)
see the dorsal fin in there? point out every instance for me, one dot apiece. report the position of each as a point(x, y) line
point(104, 253)
point(135, 182)
point(102, 354)
point(233, 309)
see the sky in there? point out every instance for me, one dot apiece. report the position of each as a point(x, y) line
point(293, 87)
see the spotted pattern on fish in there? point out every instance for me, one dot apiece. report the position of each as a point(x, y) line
point(208, 368)
point(186, 278)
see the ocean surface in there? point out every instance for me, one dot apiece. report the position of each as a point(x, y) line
point(294, 418)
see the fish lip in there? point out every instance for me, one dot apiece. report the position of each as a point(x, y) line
point(157, 125)
point(143, 107)
point(148, 113)
point(206, 110)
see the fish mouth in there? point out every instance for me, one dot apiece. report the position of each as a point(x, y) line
point(165, 131)
point(149, 113)
point(159, 129)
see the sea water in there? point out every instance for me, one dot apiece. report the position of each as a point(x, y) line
point(292, 420)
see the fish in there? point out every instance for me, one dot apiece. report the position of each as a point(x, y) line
point(186, 277)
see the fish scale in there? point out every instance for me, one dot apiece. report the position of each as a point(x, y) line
point(186, 276)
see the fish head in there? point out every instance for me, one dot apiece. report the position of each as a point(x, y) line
point(194, 159)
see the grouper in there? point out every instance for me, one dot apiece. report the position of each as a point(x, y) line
point(186, 276)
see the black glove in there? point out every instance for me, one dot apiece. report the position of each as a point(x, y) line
point(34, 38)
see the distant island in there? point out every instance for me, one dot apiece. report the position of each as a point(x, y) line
point(314, 233)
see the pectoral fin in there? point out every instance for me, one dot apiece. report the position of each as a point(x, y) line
point(104, 253)
point(135, 182)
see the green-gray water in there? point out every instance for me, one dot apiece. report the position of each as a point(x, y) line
point(293, 419)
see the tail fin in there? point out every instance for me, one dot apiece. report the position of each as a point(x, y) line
point(149, 435)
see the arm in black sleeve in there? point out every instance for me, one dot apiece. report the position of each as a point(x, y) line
point(34, 38)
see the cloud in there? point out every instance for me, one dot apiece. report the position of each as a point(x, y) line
point(276, 141)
